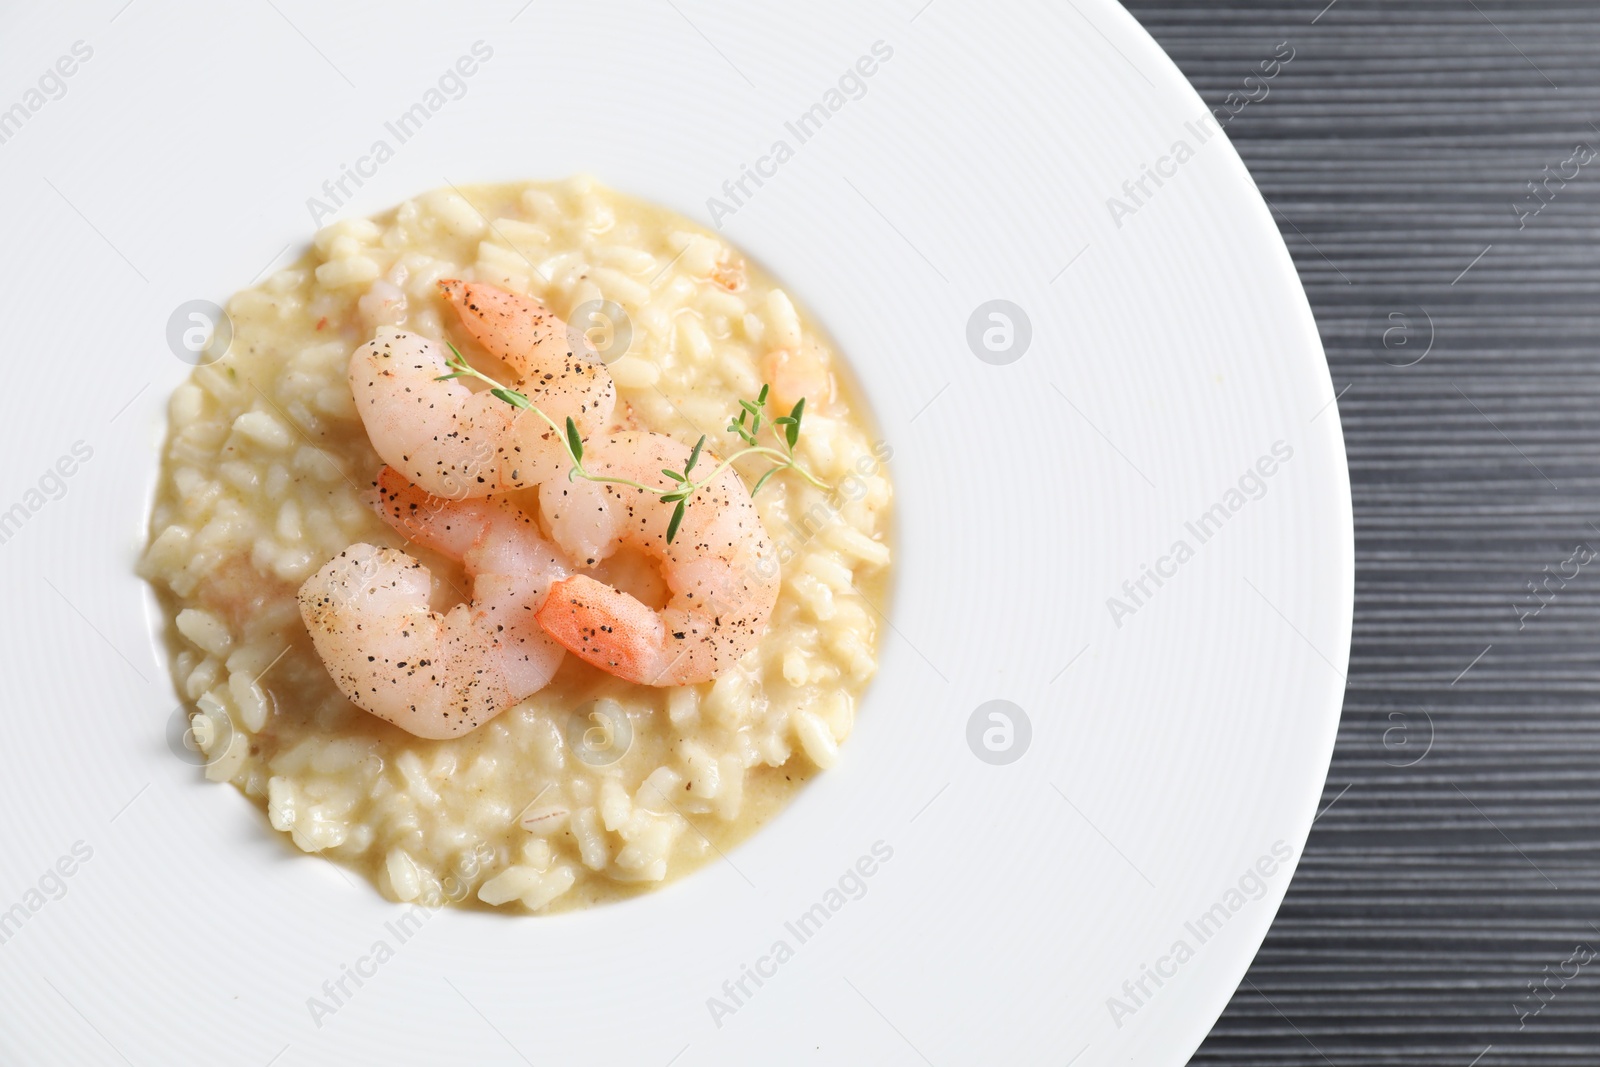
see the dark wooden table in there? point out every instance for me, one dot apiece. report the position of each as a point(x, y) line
point(1448, 907)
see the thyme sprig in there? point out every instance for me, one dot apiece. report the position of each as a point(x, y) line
point(752, 419)
point(460, 368)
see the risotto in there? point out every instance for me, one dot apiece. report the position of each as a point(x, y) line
point(593, 787)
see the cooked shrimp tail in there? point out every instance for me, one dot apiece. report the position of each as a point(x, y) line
point(527, 336)
point(720, 566)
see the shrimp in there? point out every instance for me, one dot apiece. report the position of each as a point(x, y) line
point(799, 373)
point(434, 675)
point(459, 444)
point(721, 568)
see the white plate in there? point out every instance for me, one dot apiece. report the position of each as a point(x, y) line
point(1168, 353)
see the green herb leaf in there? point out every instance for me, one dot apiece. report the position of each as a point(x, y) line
point(574, 442)
point(694, 454)
point(762, 398)
point(675, 496)
point(677, 520)
point(792, 431)
point(512, 397)
point(674, 475)
point(750, 407)
point(763, 480)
